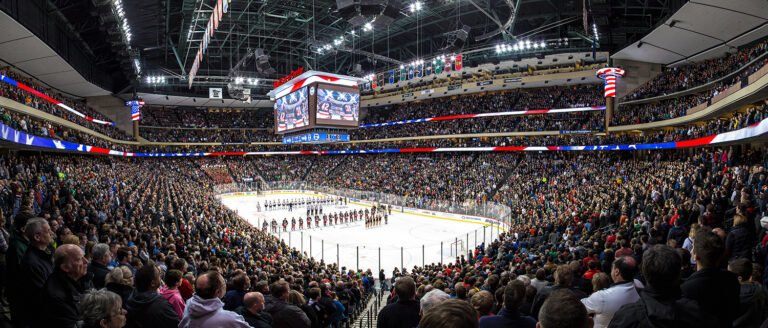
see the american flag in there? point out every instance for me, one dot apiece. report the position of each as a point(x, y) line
point(135, 113)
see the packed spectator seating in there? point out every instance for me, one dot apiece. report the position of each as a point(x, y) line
point(184, 117)
point(33, 101)
point(576, 215)
point(207, 135)
point(688, 76)
point(678, 106)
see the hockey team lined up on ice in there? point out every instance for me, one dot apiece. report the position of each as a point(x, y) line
point(373, 217)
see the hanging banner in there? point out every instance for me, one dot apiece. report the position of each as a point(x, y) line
point(402, 74)
point(438, 66)
point(392, 77)
point(428, 69)
point(410, 72)
point(447, 65)
point(221, 8)
point(419, 67)
point(458, 64)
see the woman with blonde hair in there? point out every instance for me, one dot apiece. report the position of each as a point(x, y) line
point(120, 282)
point(688, 243)
point(600, 281)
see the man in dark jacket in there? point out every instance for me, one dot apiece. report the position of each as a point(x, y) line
point(753, 303)
point(36, 266)
point(253, 311)
point(405, 312)
point(509, 316)
point(16, 249)
point(146, 309)
point(284, 314)
point(98, 266)
point(660, 305)
point(64, 288)
point(717, 290)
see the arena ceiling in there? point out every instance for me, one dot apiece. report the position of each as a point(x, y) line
point(167, 33)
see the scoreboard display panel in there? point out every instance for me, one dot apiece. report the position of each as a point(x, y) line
point(337, 106)
point(292, 112)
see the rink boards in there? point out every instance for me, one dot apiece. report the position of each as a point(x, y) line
point(486, 221)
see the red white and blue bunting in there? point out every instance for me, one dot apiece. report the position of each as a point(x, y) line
point(11, 135)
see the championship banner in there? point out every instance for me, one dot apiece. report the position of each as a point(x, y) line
point(458, 63)
point(392, 77)
point(447, 65)
point(428, 69)
point(410, 72)
point(438, 66)
point(419, 67)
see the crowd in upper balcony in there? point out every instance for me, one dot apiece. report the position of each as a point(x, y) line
point(27, 98)
point(683, 77)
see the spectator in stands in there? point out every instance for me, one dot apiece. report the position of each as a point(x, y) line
point(716, 290)
point(600, 281)
point(283, 313)
point(450, 314)
point(404, 312)
point(36, 266)
point(253, 311)
point(186, 287)
point(660, 304)
point(170, 291)
point(432, 299)
point(605, 303)
point(540, 281)
point(100, 257)
point(234, 297)
point(313, 309)
point(102, 309)
point(510, 316)
point(482, 302)
point(753, 298)
point(120, 282)
point(145, 306)
point(64, 288)
point(740, 240)
point(205, 308)
point(563, 310)
point(563, 280)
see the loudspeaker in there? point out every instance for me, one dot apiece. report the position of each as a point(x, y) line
point(461, 36)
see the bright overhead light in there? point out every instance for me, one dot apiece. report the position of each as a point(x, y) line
point(535, 45)
point(416, 6)
point(368, 26)
point(498, 48)
point(543, 44)
point(401, 66)
point(516, 48)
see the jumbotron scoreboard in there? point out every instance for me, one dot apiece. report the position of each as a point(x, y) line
point(316, 107)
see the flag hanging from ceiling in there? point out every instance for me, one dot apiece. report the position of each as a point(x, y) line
point(438, 66)
point(419, 69)
point(447, 64)
point(410, 72)
point(458, 64)
point(428, 69)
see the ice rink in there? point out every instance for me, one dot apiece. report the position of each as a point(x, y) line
point(418, 235)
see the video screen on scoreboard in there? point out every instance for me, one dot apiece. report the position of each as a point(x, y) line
point(292, 111)
point(337, 105)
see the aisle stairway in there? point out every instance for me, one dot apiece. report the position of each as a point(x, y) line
point(367, 319)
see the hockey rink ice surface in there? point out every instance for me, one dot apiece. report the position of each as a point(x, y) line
point(409, 231)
